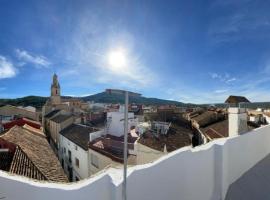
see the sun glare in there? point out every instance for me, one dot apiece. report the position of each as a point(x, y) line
point(117, 59)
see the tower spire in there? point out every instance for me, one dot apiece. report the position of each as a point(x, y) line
point(55, 91)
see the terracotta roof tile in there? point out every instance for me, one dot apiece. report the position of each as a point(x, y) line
point(176, 138)
point(38, 151)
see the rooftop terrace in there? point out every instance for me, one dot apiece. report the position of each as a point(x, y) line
point(205, 172)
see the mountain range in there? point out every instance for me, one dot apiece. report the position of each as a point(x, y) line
point(103, 97)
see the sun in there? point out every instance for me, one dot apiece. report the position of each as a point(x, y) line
point(117, 59)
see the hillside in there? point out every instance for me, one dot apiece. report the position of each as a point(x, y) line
point(103, 97)
point(117, 98)
point(35, 101)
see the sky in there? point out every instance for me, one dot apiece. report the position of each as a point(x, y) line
point(194, 51)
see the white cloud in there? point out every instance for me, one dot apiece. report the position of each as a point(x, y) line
point(230, 80)
point(238, 24)
point(226, 78)
point(7, 69)
point(26, 57)
point(220, 91)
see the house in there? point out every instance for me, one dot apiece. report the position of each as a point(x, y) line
point(108, 150)
point(191, 113)
point(149, 109)
point(29, 108)
point(267, 117)
point(27, 153)
point(256, 117)
point(56, 124)
point(12, 112)
point(45, 119)
point(212, 125)
point(205, 118)
point(161, 139)
point(21, 122)
point(137, 109)
point(115, 123)
point(73, 150)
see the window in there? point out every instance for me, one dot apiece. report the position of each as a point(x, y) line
point(64, 149)
point(63, 164)
point(76, 147)
point(69, 156)
point(77, 162)
point(94, 160)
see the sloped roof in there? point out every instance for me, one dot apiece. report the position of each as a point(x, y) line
point(61, 118)
point(112, 147)
point(52, 113)
point(237, 99)
point(218, 129)
point(78, 134)
point(208, 117)
point(22, 122)
point(177, 137)
point(18, 166)
point(38, 151)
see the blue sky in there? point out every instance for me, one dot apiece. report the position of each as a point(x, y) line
point(191, 51)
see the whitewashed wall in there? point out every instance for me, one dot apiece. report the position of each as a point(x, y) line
point(116, 124)
point(146, 154)
point(267, 118)
point(83, 170)
point(203, 173)
point(103, 162)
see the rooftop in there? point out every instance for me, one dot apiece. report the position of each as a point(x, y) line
point(220, 129)
point(52, 113)
point(34, 149)
point(180, 174)
point(112, 146)
point(22, 122)
point(236, 99)
point(18, 166)
point(217, 130)
point(254, 184)
point(78, 134)
point(61, 118)
point(177, 137)
point(208, 117)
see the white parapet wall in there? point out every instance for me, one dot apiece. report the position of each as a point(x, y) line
point(203, 173)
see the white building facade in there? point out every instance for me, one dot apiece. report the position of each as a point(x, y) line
point(115, 123)
point(74, 151)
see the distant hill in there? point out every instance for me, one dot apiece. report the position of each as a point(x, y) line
point(103, 97)
point(35, 101)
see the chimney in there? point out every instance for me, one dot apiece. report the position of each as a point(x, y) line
point(237, 121)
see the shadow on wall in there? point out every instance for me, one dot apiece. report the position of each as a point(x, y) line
point(1, 196)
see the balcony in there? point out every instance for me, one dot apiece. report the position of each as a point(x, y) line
point(205, 172)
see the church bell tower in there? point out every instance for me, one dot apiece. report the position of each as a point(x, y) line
point(55, 91)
